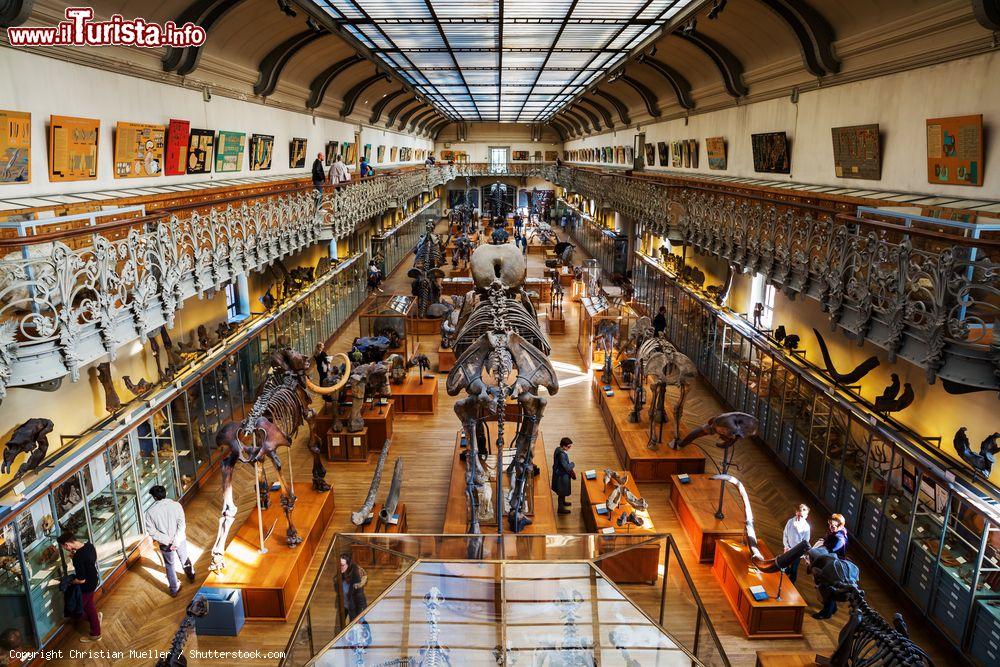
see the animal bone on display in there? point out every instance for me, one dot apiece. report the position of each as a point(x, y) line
point(112, 403)
point(137, 389)
point(367, 381)
point(664, 365)
point(890, 402)
point(363, 515)
point(281, 408)
point(392, 498)
point(844, 379)
point(29, 438)
point(397, 368)
point(981, 462)
point(428, 257)
point(499, 334)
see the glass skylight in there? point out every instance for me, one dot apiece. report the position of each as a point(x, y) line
point(501, 60)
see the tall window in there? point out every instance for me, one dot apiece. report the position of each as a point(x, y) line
point(498, 158)
point(761, 292)
point(237, 299)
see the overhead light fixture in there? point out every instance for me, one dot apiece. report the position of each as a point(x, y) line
point(717, 7)
point(690, 26)
point(313, 25)
point(652, 51)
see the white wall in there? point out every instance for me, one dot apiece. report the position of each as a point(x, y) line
point(45, 86)
point(900, 103)
point(480, 136)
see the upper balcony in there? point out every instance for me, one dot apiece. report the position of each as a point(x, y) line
point(76, 290)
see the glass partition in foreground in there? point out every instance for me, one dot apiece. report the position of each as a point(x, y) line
point(513, 600)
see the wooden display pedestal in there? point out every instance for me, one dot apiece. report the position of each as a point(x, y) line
point(566, 279)
point(378, 421)
point(786, 659)
point(695, 504)
point(446, 359)
point(541, 248)
point(460, 272)
point(638, 565)
point(417, 398)
point(643, 463)
point(543, 519)
point(766, 619)
point(555, 323)
point(422, 326)
point(269, 582)
point(369, 556)
point(346, 446)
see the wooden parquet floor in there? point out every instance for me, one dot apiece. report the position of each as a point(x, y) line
point(139, 614)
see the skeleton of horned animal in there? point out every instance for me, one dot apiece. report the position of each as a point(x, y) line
point(498, 335)
point(664, 365)
point(280, 409)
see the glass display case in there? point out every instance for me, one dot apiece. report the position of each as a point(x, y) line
point(44, 565)
point(394, 245)
point(936, 538)
point(389, 312)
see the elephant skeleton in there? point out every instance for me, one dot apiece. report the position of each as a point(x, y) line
point(664, 365)
point(281, 408)
point(498, 337)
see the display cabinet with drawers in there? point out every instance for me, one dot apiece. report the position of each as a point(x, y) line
point(932, 529)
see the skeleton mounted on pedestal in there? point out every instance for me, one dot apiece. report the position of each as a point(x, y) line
point(281, 408)
point(664, 365)
point(498, 334)
point(427, 260)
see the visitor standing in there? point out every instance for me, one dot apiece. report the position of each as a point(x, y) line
point(836, 539)
point(563, 474)
point(366, 169)
point(796, 529)
point(352, 586)
point(338, 171)
point(430, 160)
point(318, 172)
point(165, 523)
point(85, 563)
point(660, 321)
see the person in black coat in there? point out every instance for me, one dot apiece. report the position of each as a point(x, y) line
point(660, 321)
point(352, 586)
point(87, 578)
point(562, 474)
point(318, 172)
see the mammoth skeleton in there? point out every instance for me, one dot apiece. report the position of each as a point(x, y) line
point(279, 411)
point(499, 336)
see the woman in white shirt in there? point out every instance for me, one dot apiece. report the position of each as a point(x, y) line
point(338, 171)
point(796, 530)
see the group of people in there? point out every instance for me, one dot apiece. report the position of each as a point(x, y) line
point(797, 530)
point(339, 173)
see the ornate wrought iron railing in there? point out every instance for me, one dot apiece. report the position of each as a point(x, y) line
point(69, 298)
point(932, 298)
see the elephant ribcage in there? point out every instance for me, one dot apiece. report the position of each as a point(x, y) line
point(279, 404)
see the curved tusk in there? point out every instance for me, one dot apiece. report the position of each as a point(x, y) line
point(326, 391)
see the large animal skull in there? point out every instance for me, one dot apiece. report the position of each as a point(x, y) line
point(504, 262)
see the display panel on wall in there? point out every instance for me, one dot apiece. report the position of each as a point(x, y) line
point(693, 152)
point(139, 150)
point(349, 152)
point(856, 152)
point(447, 156)
point(73, 148)
point(261, 151)
point(677, 154)
point(15, 147)
point(716, 149)
point(770, 153)
point(405, 153)
point(330, 152)
point(175, 158)
point(201, 147)
point(686, 152)
point(519, 156)
point(955, 150)
point(229, 151)
point(661, 148)
point(380, 154)
point(650, 154)
point(551, 156)
point(368, 152)
point(297, 153)
point(393, 153)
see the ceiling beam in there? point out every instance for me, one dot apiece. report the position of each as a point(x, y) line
point(319, 85)
point(617, 104)
point(426, 123)
point(409, 114)
point(574, 121)
point(274, 62)
point(594, 120)
point(813, 32)
point(987, 13)
point(435, 129)
point(559, 128)
point(677, 81)
point(605, 114)
point(352, 95)
point(648, 96)
point(396, 110)
point(202, 13)
point(426, 113)
point(382, 103)
point(14, 12)
point(729, 66)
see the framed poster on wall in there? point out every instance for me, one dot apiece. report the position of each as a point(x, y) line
point(229, 148)
point(519, 156)
point(380, 154)
point(955, 150)
point(261, 151)
point(677, 153)
point(368, 152)
point(139, 150)
point(650, 155)
point(175, 158)
point(393, 154)
point(664, 153)
point(856, 152)
point(686, 152)
point(297, 148)
point(15, 147)
point(201, 147)
point(770, 153)
point(330, 152)
point(693, 144)
point(550, 156)
point(73, 148)
point(716, 149)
